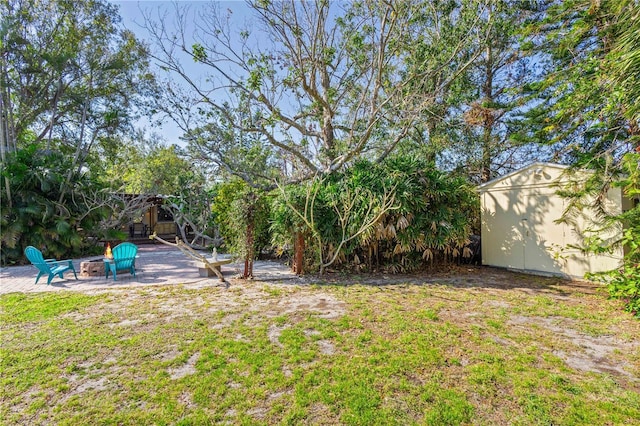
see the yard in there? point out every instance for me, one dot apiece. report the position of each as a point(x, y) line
point(472, 346)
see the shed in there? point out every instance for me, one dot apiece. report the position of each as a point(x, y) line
point(520, 228)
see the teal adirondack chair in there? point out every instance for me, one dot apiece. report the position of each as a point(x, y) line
point(124, 257)
point(50, 267)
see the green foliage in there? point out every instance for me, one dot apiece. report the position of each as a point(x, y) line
point(147, 165)
point(436, 211)
point(199, 53)
point(236, 207)
point(624, 58)
point(225, 194)
point(69, 72)
point(582, 110)
point(162, 171)
point(44, 210)
point(486, 100)
point(430, 215)
point(589, 113)
point(624, 283)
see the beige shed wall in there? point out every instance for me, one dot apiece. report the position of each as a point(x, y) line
point(519, 229)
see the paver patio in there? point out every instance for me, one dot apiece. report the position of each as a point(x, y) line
point(156, 265)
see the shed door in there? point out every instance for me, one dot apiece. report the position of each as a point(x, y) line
point(542, 238)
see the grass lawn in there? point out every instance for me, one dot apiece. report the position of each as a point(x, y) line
point(486, 347)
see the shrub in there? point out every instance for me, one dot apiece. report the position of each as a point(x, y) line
point(393, 216)
point(625, 282)
point(42, 208)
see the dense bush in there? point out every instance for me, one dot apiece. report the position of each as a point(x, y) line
point(43, 208)
point(393, 216)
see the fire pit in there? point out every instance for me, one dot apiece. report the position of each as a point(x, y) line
point(92, 268)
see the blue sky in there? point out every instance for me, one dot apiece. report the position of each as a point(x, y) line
point(131, 12)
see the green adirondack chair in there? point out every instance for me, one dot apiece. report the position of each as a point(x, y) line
point(124, 257)
point(49, 267)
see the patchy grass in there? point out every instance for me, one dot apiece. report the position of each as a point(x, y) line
point(510, 349)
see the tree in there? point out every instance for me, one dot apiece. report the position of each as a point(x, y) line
point(331, 84)
point(582, 112)
point(447, 42)
point(486, 122)
point(589, 112)
point(625, 56)
point(69, 78)
point(242, 215)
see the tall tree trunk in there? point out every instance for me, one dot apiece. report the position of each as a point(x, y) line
point(298, 266)
point(485, 168)
point(248, 260)
point(7, 135)
point(250, 237)
point(487, 121)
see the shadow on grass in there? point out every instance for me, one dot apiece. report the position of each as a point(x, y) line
point(462, 277)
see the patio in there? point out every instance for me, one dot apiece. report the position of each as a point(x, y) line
point(156, 265)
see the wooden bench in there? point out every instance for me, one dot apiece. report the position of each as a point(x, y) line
point(212, 267)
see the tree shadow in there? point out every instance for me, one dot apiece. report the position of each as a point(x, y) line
point(463, 277)
point(524, 227)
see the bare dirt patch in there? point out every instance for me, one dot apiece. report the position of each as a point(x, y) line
point(323, 305)
point(274, 333)
point(468, 277)
point(590, 353)
point(94, 384)
point(326, 347)
point(187, 369)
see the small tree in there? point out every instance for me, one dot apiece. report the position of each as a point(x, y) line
point(242, 215)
